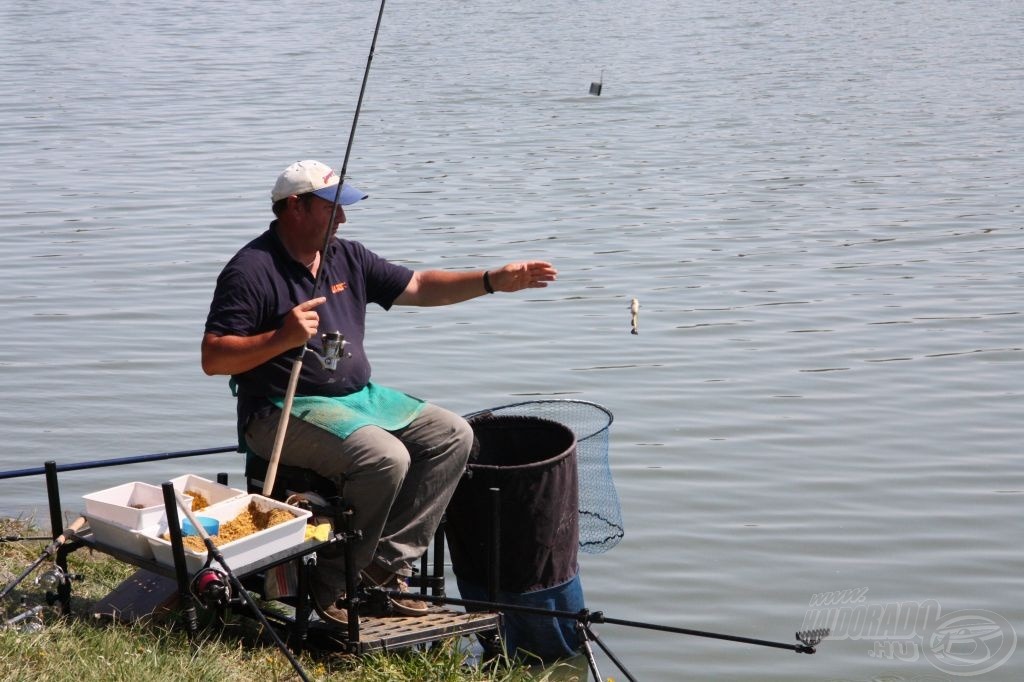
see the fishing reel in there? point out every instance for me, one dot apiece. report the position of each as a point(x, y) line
point(54, 577)
point(334, 350)
point(53, 580)
point(212, 587)
point(29, 620)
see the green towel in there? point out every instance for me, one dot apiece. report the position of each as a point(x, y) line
point(341, 415)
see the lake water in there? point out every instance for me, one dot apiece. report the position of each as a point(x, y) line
point(818, 205)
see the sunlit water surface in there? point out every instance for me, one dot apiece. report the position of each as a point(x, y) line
point(818, 206)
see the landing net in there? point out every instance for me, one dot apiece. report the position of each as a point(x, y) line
point(600, 512)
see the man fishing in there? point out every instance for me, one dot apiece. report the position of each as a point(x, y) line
point(397, 459)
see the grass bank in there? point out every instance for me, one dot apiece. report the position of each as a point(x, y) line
point(81, 648)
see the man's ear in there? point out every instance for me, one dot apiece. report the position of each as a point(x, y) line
point(294, 203)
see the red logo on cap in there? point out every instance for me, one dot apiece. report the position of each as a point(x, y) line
point(327, 177)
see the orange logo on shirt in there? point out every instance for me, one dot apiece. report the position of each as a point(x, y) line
point(339, 287)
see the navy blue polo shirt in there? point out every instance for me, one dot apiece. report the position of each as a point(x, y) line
point(262, 283)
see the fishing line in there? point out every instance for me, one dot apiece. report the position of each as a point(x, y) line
point(293, 379)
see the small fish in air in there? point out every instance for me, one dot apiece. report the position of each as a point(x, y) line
point(634, 316)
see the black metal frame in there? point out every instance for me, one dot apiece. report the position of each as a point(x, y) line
point(179, 570)
point(299, 627)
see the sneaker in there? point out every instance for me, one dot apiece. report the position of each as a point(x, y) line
point(381, 578)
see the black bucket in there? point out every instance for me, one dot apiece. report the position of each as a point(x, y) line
point(533, 463)
point(601, 526)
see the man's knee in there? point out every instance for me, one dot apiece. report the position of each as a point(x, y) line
point(385, 457)
point(463, 439)
point(449, 433)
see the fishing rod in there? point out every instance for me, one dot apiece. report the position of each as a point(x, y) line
point(584, 615)
point(234, 581)
point(47, 552)
point(808, 640)
point(117, 461)
point(334, 342)
point(18, 537)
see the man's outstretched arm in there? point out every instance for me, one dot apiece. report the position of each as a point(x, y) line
point(443, 287)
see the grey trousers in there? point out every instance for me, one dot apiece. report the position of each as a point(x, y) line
point(397, 483)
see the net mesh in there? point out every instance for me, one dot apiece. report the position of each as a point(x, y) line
point(600, 512)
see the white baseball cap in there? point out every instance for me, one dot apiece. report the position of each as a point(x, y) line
point(303, 177)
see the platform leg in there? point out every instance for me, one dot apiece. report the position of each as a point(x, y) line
point(587, 650)
point(180, 567)
point(437, 589)
point(64, 586)
point(351, 585)
point(494, 546)
point(53, 499)
point(303, 607)
point(56, 528)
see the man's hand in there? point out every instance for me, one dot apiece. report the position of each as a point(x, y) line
point(527, 275)
point(237, 354)
point(301, 323)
